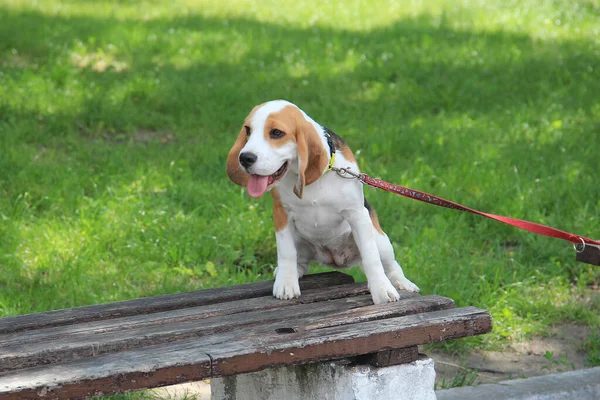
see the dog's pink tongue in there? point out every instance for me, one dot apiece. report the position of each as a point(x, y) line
point(257, 185)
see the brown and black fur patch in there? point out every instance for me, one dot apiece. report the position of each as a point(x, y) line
point(374, 217)
point(340, 144)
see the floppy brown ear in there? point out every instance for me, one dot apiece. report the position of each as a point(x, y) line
point(312, 156)
point(234, 170)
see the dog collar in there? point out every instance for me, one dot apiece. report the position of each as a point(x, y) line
point(331, 150)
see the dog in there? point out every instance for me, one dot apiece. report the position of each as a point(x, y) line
point(318, 214)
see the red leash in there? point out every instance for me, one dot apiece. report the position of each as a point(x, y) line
point(580, 242)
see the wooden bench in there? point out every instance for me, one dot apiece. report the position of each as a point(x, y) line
point(165, 340)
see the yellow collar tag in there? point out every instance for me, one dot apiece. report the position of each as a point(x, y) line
point(331, 151)
point(331, 162)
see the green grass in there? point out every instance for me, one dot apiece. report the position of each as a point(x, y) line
point(116, 119)
point(465, 377)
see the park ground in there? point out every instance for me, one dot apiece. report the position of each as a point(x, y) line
point(116, 118)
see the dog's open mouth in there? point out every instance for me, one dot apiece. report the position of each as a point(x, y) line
point(259, 184)
point(278, 174)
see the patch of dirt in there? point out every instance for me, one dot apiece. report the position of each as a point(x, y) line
point(16, 60)
point(520, 360)
point(145, 136)
point(142, 136)
point(98, 62)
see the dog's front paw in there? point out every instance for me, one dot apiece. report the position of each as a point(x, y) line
point(383, 292)
point(286, 287)
point(401, 283)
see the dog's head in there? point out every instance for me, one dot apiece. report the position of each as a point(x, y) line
point(277, 137)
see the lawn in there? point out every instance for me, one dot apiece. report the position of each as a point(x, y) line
point(116, 119)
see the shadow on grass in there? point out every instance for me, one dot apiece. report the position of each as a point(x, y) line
point(415, 67)
point(416, 90)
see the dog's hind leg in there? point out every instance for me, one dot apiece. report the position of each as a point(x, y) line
point(305, 256)
point(382, 290)
point(392, 269)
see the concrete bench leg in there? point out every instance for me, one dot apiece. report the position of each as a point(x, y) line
point(338, 380)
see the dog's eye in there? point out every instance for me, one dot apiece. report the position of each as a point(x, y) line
point(276, 133)
point(247, 130)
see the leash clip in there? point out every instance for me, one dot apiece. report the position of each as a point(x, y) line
point(343, 172)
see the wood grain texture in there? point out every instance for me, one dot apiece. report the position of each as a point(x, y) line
point(84, 344)
point(113, 373)
point(176, 362)
point(387, 358)
point(336, 342)
point(117, 347)
point(409, 303)
point(162, 303)
point(180, 315)
point(22, 354)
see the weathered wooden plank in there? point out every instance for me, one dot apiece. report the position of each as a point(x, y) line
point(115, 373)
point(185, 361)
point(387, 358)
point(305, 316)
point(183, 315)
point(161, 303)
point(407, 305)
point(260, 352)
point(85, 344)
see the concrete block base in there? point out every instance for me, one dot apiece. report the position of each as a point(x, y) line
point(338, 380)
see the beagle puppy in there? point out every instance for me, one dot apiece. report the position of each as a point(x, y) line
point(318, 214)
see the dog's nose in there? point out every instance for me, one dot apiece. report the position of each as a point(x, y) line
point(247, 159)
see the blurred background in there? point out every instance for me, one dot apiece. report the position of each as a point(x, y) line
point(116, 118)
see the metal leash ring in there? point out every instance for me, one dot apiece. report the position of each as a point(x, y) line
point(579, 247)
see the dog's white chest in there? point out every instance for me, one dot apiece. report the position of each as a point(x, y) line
point(319, 223)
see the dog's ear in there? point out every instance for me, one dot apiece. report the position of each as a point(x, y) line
point(234, 170)
point(312, 156)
